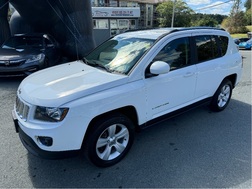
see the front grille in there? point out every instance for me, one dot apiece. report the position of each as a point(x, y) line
point(11, 63)
point(22, 109)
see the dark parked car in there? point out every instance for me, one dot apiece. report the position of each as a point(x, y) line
point(240, 40)
point(237, 41)
point(23, 54)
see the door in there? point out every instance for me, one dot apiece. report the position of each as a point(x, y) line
point(208, 65)
point(175, 89)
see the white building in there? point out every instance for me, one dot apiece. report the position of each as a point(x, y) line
point(111, 17)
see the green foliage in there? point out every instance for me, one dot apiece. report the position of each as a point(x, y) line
point(239, 35)
point(247, 5)
point(248, 17)
point(205, 22)
point(182, 16)
point(236, 22)
point(249, 28)
point(242, 35)
point(232, 27)
point(211, 20)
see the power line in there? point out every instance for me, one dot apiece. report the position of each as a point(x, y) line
point(213, 5)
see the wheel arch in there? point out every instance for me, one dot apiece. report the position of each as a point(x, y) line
point(232, 78)
point(128, 111)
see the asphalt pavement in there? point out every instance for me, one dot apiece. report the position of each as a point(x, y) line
point(199, 149)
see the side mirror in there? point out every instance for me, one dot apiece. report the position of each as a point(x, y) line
point(159, 67)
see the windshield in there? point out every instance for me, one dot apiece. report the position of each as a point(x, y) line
point(119, 54)
point(22, 42)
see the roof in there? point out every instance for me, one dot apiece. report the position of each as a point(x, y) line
point(147, 33)
point(158, 32)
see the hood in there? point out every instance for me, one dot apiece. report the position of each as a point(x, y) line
point(14, 54)
point(58, 85)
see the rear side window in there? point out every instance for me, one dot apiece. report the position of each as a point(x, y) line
point(223, 44)
point(207, 47)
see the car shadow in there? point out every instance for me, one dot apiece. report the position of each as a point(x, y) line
point(197, 149)
point(10, 81)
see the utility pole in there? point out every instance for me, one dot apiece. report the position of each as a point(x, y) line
point(173, 13)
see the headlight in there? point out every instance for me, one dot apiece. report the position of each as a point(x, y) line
point(50, 114)
point(34, 58)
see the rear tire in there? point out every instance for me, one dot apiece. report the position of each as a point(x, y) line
point(109, 140)
point(222, 96)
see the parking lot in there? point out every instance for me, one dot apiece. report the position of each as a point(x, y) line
point(199, 149)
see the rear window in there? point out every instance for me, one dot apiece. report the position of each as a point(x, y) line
point(223, 44)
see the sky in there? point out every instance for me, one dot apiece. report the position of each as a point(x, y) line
point(215, 6)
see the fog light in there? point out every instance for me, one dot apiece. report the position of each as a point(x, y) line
point(47, 141)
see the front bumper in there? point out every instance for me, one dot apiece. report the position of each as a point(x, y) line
point(22, 69)
point(8, 72)
point(32, 147)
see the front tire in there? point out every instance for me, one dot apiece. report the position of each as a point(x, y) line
point(222, 96)
point(109, 140)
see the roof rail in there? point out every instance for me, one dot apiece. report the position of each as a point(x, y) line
point(202, 27)
point(141, 29)
point(178, 29)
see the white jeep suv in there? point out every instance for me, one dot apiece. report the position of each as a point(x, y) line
point(130, 81)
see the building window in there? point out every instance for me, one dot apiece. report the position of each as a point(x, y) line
point(100, 23)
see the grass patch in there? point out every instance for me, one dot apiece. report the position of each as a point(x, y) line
point(240, 35)
point(249, 28)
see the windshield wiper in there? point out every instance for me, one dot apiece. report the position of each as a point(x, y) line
point(85, 60)
point(93, 63)
point(102, 66)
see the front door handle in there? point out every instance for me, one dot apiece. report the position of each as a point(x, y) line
point(189, 74)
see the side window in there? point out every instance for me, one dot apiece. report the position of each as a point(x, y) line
point(207, 47)
point(176, 53)
point(223, 44)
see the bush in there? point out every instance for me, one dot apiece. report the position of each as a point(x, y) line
point(241, 29)
point(232, 27)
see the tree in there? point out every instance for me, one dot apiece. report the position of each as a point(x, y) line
point(247, 5)
point(182, 16)
point(206, 21)
point(236, 22)
point(211, 20)
point(248, 15)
